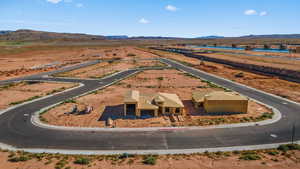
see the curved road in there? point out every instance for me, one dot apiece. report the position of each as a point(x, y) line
point(17, 129)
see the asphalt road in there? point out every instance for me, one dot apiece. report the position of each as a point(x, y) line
point(39, 75)
point(17, 129)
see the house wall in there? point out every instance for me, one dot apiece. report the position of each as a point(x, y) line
point(226, 106)
point(298, 50)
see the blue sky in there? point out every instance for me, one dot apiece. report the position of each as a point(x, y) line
point(178, 18)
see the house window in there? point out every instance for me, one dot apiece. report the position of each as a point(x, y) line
point(177, 110)
point(167, 110)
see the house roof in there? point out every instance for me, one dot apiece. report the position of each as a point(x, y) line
point(199, 95)
point(220, 95)
point(171, 100)
point(132, 96)
point(159, 99)
point(145, 101)
point(217, 95)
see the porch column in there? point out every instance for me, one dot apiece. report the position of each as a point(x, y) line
point(125, 109)
point(156, 113)
point(138, 113)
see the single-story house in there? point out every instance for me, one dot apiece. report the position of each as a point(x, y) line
point(155, 104)
point(220, 102)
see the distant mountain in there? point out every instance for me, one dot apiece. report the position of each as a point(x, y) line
point(154, 37)
point(210, 37)
point(117, 37)
point(4, 32)
point(32, 35)
point(276, 36)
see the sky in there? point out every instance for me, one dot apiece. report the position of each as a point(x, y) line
point(175, 18)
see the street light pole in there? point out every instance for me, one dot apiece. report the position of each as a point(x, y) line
point(293, 133)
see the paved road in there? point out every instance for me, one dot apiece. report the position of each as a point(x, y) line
point(17, 130)
point(39, 75)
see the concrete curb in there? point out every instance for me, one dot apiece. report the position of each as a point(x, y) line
point(145, 152)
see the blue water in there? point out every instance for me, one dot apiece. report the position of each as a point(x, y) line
point(255, 49)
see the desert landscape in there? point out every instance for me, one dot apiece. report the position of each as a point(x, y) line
point(283, 157)
point(136, 84)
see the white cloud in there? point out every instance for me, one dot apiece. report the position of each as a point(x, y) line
point(79, 5)
point(143, 21)
point(250, 12)
point(54, 1)
point(68, 1)
point(171, 8)
point(263, 13)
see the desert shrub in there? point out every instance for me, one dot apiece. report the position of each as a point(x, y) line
point(150, 160)
point(19, 159)
point(239, 75)
point(31, 82)
point(267, 115)
point(160, 78)
point(250, 156)
point(287, 147)
point(70, 101)
point(273, 152)
point(82, 161)
point(61, 164)
point(125, 155)
point(131, 54)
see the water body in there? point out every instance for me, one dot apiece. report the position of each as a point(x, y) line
point(238, 48)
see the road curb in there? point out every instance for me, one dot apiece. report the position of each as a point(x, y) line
point(145, 152)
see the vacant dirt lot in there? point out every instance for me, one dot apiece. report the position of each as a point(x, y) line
point(269, 84)
point(25, 91)
point(33, 61)
point(109, 67)
point(291, 55)
point(109, 103)
point(274, 159)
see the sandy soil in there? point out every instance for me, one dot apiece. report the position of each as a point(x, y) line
point(283, 63)
point(288, 160)
point(109, 103)
point(292, 55)
point(35, 61)
point(22, 91)
point(256, 60)
point(269, 84)
point(109, 67)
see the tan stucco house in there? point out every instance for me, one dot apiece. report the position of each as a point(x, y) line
point(152, 104)
point(220, 102)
